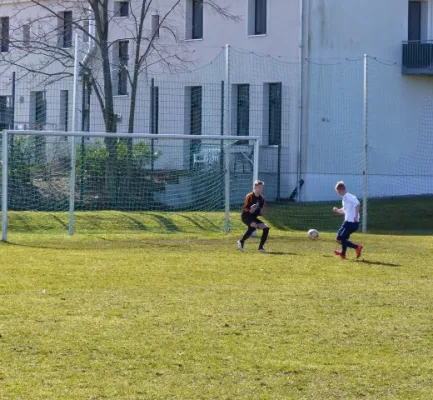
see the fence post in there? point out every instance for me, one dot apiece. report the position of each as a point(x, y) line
point(5, 168)
point(222, 125)
point(12, 137)
point(227, 150)
point(152, 121)
point(73, 149)
point(365, 148)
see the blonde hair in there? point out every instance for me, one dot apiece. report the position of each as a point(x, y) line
point(258, 182)
point(340, 186)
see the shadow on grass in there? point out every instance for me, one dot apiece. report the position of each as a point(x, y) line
point(166, 223)
point(205, 224)
point(62, 223)
point(379, 263)
point(367, 262)
point(32, 246)
point(282, 253)
point(137, 224)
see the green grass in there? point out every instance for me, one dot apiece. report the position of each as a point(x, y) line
point(186, 316)
point(404, 215)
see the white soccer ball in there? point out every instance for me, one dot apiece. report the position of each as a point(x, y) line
point(313, 234)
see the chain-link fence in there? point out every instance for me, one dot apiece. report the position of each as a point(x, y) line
point(357, 120)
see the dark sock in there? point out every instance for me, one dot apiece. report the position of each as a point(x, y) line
point(248, 234)
point(264, 237)
point(343, 249)
point(348, 243)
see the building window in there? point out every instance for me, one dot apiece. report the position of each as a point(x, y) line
point(243, 110)
point(154, 109)
point(275, 114)
point(4, 40)
point(195, 120)
point(121, 8)
point(194, 11)
point(6, 112)
point(26, 35)
point(64, 110)
point(155, 25)
point(195, 110)
point(122, 76)
point(38, 110)
point(257, 17)
point(418, 20)
point(65, 25)
point(197, 19)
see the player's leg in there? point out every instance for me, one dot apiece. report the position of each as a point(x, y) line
point(341, 236)
point(353, 227)
point(350, 228)
point(344, 238)
point(251, 227)
point(265, 228)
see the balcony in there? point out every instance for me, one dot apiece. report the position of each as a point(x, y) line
point(417, 58)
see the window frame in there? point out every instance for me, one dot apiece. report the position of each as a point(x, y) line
point(66, 27)
point(253, 18)
point(122, 74)
point(123, 9)
point(275, 115)
point(4, 42)
point(155, 25)
point(243, 127)
point(195, 4)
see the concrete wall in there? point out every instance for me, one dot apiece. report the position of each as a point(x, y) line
point(399, 107)
point(336, 36)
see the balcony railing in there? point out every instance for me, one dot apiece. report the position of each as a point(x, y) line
point(417, 58)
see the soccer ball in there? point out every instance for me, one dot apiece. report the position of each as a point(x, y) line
point(313, 234)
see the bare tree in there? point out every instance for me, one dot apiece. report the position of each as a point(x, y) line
point(48, 51)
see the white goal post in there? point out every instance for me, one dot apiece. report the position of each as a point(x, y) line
point(197, 159)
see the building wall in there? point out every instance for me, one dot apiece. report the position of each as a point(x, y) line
point(336, 36)
point(399, 107)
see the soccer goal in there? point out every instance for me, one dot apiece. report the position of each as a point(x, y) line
point(71, 177)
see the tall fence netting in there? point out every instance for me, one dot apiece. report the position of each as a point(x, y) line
point(302, 154)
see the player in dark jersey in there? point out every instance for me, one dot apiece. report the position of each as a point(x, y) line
point(253, 208)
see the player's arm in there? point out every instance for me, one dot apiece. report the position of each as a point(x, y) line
point(247, 204)
point(357, 212)
point(338, 210)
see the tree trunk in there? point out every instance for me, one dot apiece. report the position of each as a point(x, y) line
point(110, 127)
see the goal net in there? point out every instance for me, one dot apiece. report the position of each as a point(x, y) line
point(58, 182)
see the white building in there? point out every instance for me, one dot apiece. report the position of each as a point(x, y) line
point(295, 79)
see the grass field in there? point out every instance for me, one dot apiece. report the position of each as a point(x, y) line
point(186, 316)
point(404, 215)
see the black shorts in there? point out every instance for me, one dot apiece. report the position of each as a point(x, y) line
point(248, 219)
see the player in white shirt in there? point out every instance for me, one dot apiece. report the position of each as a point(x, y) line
point(350, 225)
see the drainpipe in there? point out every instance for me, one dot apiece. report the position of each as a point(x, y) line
point(300, 95)
point(91, 50)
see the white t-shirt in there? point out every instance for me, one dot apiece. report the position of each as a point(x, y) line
point(350, 202)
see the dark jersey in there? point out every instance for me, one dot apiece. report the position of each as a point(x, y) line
point(251, 199)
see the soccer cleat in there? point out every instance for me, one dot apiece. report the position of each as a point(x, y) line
point(262, 250)
point(340, 254)
point(240, 245)
point(359, 250)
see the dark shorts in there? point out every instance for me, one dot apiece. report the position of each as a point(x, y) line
point(248, 219)
point(346, 230)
